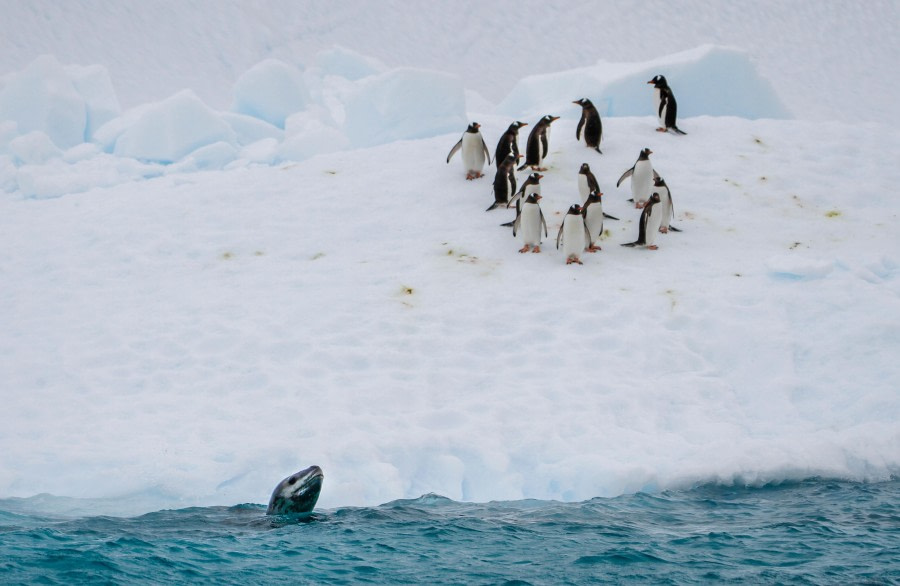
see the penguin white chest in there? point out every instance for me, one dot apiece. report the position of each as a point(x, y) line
point(665, 206)
point(530, 227)
point(654, 219)
point(642, 181)
point(658, 106)
point(583, 188)
point(573, 236)
point(594, 221)
point(473, 151)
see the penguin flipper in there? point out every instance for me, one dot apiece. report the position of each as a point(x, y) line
point(625, 176)
point(580, 126)
point(629, 244)
point(678, 130)
point(495, 205)
point(655, 175)
point(487, 153)
point(545, 143)
point(516, 223)
point(607, 216)
point(592, 183)
point(516, 197)
point(559, 235)
point(671, 109)
point(596, 148)
point(673, 228)
point(544, 222)
point(455, 148)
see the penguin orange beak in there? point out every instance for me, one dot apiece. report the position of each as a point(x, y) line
point(554, 118)
point(651, 81)
point(540, 176)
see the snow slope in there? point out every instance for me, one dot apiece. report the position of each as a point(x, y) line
point(241, 289)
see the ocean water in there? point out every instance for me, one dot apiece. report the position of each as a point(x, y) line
point(812, 532)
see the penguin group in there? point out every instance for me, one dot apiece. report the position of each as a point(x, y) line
point(582, 226)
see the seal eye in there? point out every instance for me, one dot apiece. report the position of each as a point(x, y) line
point(292, 480)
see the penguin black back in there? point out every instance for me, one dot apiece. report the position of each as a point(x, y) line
point(666, 107)
point(508, 143)
point(538, 144)
point(590, 123)
point(642, 224)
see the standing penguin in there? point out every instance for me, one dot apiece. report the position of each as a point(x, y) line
point(538, 144)
point(587, 183)
point(474, 151)
point(504, 181)
point(666, 107)
point(529, 222)
point(573, 235)
point(593, 219)
point(590, 123)
point(667, 208)
point(642, 175)
point(651, 217)
point(532, 184)
point(509, 142)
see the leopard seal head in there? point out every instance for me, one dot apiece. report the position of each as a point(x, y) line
point(297, 493)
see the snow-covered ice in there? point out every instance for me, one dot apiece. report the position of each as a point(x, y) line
point(205, 290)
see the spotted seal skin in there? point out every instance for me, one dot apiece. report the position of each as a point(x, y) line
point(297, 493)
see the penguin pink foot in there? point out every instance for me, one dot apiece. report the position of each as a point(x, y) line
point(524, 248)
point(653, 247)
point(593, 248)
point(536, 249)
point(573, 259)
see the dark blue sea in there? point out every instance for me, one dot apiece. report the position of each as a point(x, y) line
point(811, 532)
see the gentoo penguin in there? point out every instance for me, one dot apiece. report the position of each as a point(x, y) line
point(532, 184)
point(474, 151)
point(667, 208)
point(642, 175)
point(508, 142)
point(593, 219)
point(588, 183)
point(538, 144)
point(649, 224)
point(590, 123)
point(666, 108)
point(573, 235)
point(504, 181)
point(529, 222)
